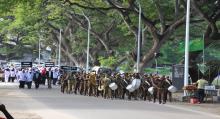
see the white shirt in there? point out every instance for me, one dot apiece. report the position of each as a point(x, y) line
point(29, 76)
point(22, 76)
point(55, 74)
point(7, 73)
point(12, 73)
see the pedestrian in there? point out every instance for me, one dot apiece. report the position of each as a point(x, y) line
point(55, 76)
point(22, 78)
point(201, 89)
point(43, 75)
point(29, 79)
point(7, 74)
point(37, 78)
point(49, 77)
point(12, 75)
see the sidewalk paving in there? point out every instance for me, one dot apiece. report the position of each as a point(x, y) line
point(208, 106)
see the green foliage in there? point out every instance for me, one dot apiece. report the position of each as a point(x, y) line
point(160, 71)
point(108, 62)
point(127, 66)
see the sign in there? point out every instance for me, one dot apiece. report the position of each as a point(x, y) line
point(69, 68)
point(49, 64)
point(26, 64)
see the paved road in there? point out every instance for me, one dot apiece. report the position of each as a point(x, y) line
point(51, 104)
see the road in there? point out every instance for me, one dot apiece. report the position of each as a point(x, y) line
point(51, 104)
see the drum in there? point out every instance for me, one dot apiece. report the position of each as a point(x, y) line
point(151, 90)
point(136, 83)
point(172, 89)
point(130, 88)
point(113, 86)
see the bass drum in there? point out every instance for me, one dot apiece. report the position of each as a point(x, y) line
point(172, 89)
point(151, 90)
point(113, 86)
point(130, 88)
point(136, 83)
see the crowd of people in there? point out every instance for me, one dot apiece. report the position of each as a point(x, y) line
point(27, 76)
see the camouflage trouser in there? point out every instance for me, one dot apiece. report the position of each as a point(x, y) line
point(70, 86)
point(160, 93)
point(64, 85)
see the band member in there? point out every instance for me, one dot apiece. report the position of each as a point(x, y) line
point(12, 75)
point(154, 80)
point(71, 80)
point(64, 83)
point(167, 83)
point(78, 79)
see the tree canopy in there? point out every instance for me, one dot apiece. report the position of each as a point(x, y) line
point(114, 29)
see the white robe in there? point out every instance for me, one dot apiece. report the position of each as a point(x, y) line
point(7, 74)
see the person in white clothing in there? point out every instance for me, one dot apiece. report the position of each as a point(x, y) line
point(12, 75)
point(7, 74)
point(55, 76)
point(29, 79)
point(22, 78)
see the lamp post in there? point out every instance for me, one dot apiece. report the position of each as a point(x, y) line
point(39, 52)
point(60, 41)
point(155, 57)
point(139, 37)
point(186, 67)
point(88, 42)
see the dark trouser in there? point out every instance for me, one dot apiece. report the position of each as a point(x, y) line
point(37, 83)
point(11, 79)
point(54, 81)
point(155, 94)
point(201, 95)
point(49, 80)
point(29, 83)
point(77, 86)
point(43, 80)
point(22, 83)
point(161, 95)
point(166, 94)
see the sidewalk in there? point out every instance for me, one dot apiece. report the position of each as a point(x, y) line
point(204, 107)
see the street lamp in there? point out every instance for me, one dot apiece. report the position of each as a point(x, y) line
point(87, 57)
point(155, 57)
point(39, 51)
point(186, 67)
point(139, 37)
point(60, 41)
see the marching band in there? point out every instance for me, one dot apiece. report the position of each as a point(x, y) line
point(109, 85)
